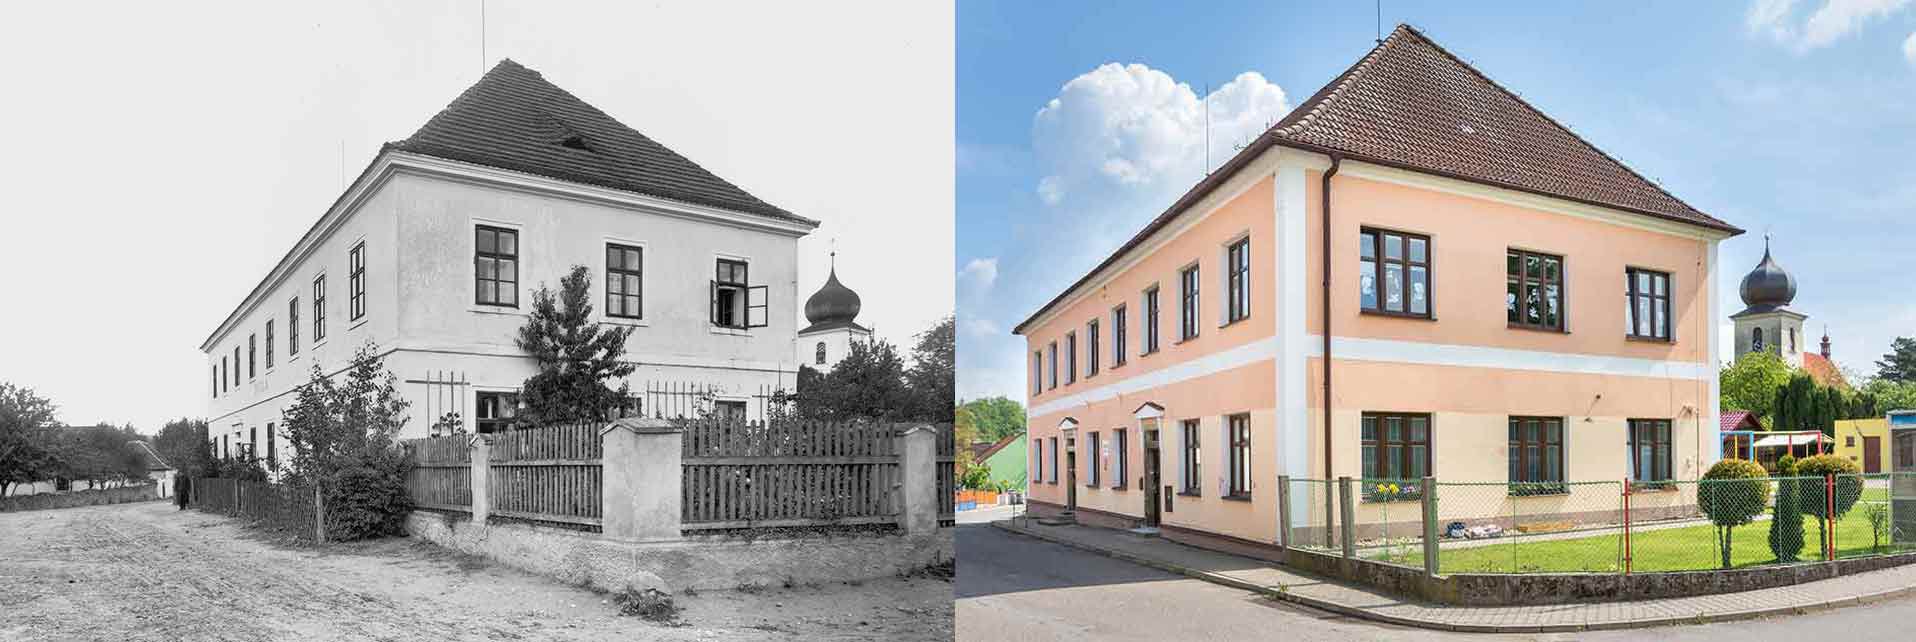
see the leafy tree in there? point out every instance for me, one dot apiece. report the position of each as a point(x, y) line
point(26, 437)
point(1751, 382)
point(184, 445)
point(1796, 406)
point(98, 454)
point(930, 379)
point(342, 432)
point(964, 432)
point(996, 417)
point(1899, 364)
point(1786, 520)
point(977, 477)
point(575, 356)
point(1848, 488)
point(867, 384)
point(1733, 492)
point(1891, 395)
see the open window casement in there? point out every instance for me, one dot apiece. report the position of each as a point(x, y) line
point(733, 297)
point(757, 306)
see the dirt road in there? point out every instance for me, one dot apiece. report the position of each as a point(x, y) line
point(148, 572)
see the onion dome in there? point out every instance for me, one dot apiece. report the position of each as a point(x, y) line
point(1768, 286)
point(832, 305)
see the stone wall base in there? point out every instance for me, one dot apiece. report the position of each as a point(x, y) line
point(705, 564)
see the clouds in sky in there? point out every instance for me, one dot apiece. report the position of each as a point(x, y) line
point(979, 274)
point(1133, 126)
point(1832, 21)
point(1909, 48)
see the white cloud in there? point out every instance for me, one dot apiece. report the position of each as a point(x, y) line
point(1132, 126)
point(982, 327)
point(1833, 21)
point(980, 273)
point(1909, 48)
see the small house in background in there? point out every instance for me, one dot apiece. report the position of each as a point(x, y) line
point(156, 467)
point(1738, 430)
point(1866, 442)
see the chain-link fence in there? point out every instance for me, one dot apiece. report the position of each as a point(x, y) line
point(1603, 526)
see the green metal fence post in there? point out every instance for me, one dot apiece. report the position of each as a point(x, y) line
point(1430, 526)
point(1347, 505)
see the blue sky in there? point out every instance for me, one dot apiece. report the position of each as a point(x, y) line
point(1792, 118)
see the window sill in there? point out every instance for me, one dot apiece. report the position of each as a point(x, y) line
point(1632, 337)
point(357, 323)
point(1397, 315)
point(1120, 487)
point(1236, 497)
point(1532, 328)
point(627, 322)
point(1653, 487)
point(1546, 490)
point(1189, 493)
point(496, 309)
point(735, 332)
point(1227, 324)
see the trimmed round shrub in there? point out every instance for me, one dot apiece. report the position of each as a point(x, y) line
point(1732, 493)
point(1813, 500)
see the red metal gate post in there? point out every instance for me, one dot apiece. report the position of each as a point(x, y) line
point(1627, 551)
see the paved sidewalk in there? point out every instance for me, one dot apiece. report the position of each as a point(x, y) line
point(1276, 582)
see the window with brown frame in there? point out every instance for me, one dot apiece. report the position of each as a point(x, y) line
point(1150, 320)
point(1052, 382)
point(1091, 348)
point(1092, 463)
point(1121, 462)
point(1536, 455)
point(1239, 430)
point(1118, 323)
point(1237, 270)
point(1070, 357)
point(624, 282)
point(1533, 290)
point(1650, 451)
point(1191, 433)
point(1054, 461)
point(1037, 372)
point(495, 266)
point(1394, 273)
point(1647, 304)
point(1188, 304)
point(1396, 446)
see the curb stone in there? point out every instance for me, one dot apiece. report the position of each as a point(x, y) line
point(1279, 593)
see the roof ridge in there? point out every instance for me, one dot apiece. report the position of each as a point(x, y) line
point(1545, 115)
point(1305, 115)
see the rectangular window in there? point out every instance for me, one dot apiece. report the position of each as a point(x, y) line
point(1037, 372)
point(225, 378)
point(729, 411)
point(319, 308)
point(1536, 455)
point(272, 448)
point(292, 327)
point(735, 302)
point(1150, 321)
point(1070, 357)
point(1092, 467)
point(495, 266)
point(216, 382)
point(496, 410)
point(1237, 265)
point(252, 356)
point(1118, 341)
point(1239, 427)
point(1396, 446)
point(1647, 304)
point(624, 272)
point(252, 443)
point(1091, 348)
point(1054, 460)
point(1123, 463)
point(1052, 380)
point(1037, 460)
point(1533, 295)
point(1650, 450)
point(269, 344)
point(1188, 304)
point(356, 282)
point(1393, 273)
point(1191, 483)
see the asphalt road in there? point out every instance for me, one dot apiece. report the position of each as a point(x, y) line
point(1015, 587)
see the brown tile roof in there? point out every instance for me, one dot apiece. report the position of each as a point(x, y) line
point(1734, 419)
point(1406, 105)
point(514, 119)
point(1823, 371)
point(1412, 104)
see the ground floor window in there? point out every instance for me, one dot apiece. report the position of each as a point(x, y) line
point(496, 411)
point(1054, 460)
point(1037, 460)
point(729, 411)
point(1190, 431)
point(1124, 471)
point(1650, 450)
point(1536, 455)
point(1239, 430)
point(1091, 479)
point(1396, 449)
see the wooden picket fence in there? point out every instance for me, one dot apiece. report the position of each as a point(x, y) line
point(441, 476)
point(802, 473)
point(947, 476)
point(549, 475)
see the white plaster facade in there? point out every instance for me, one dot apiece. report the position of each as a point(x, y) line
point(834, 343)
point(416, 217)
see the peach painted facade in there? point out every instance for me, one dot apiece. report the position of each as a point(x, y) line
point(1465, 367)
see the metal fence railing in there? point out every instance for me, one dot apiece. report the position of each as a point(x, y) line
point(1616, 526)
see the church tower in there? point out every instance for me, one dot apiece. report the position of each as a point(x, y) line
point(1766, 322)
point(832, 312)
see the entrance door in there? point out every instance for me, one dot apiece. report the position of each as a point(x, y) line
point(1152, 503)
point(1872, 455)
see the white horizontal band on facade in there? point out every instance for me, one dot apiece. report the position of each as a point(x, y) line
point(1389, 351)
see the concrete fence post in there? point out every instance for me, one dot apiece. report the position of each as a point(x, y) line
point(643, 479)
point(1430, 526)
point(918, 474)
point(1347, 506)
point(481, 469)
point(1284, 511)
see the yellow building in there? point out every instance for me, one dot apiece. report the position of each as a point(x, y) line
point(1864, 441)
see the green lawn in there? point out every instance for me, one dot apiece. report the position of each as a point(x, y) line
point(1671, 549)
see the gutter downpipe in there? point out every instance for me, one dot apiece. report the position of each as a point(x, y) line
point(1337, 161)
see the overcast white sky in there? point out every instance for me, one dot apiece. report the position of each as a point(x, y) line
point(161, 157)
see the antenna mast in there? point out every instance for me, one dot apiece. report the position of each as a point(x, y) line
point(1380, 22)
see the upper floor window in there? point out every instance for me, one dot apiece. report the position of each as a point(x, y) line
point(236, 365)
point(1756, 339)
point(292, 327)
point(735, 302)
point(624, 272)
point(1091, 348)
point(1037, 372)
point(1237, 266)
point(216, 382)
point(1070, 357)
point(1188, 304)
point(226, 378)
point(495, 267)
point(1150, 320)
point(269, 344)
point(1052, 383)
point(252, 356)
point(1118, 323)
point(1647, 303)
point(1393, 272)
point(1534, 290)
point(319, 308)
point(356, 282)
point(818, 354)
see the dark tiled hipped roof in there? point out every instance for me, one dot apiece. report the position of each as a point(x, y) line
point(514, 119)
point(1412, 104)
